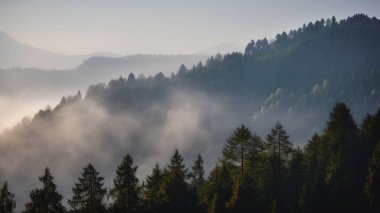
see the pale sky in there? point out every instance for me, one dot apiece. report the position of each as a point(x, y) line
point(166, 27)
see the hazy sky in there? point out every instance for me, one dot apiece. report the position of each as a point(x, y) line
point(167, 26)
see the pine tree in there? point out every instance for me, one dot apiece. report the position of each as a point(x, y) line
point(315, 192)
point(47, 199)
point(152, 195)
point(295, 181)
point(177, 167)
point(197, 173)
point(88, 192)
point(370, 135)
point(238, 148)
point(255, 158)
point(278, 144)
point(369, 129)
point(174, 188)
point(7, 202)
point(131, 78)
point(244, 196)
point(126, 190)
point(217, 190)
point(345, 173)
point(182, 71)
point(279, 149)
point(372, 185)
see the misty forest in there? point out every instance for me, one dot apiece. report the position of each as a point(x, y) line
point(291, 124)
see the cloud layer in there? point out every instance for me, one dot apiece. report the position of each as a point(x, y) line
point(86, 131)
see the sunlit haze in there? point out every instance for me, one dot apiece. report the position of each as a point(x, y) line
point(161, 27)
point(189, 106)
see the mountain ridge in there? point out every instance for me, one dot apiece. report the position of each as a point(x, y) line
point(18, 54)
point(295, 79)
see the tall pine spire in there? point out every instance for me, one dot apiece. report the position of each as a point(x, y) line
point(126, 187)
point(88, 192)
point(46, 199)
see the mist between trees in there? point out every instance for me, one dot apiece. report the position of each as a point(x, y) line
point(338, 170)
point(295, 79)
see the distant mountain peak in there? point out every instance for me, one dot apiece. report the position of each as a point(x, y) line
point(17, 54)
point(4, 35)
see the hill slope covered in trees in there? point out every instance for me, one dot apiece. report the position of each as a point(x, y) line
point(337, 171)
point(296, 79)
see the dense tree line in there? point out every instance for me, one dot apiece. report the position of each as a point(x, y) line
point(337, 170)
point(314, 65)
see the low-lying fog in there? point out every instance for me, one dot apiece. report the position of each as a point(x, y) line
point(91, 131)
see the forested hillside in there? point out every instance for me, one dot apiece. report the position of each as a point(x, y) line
point(319, 163)
point(324, 60)
point(304, 71)
point(338, 171)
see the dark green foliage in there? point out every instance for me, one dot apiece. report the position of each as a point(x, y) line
point(88, 193)
point(337, 171)
point(295, 182)
point(334, 172)
point(315, 192)
point(7, 202)
point(239, 148)
point(177, 167)
point(278, 145)
point(369, 133)
point(244, 195)
point(316, 65)
point(372, 185)
point(126, 190)
point(257, 146)
point(345, 173)
point(47, 199)
point(175, 191)
point(279, 149)
point(370, 124)
point(152, 195)
point(197, 173)
point(217, 190)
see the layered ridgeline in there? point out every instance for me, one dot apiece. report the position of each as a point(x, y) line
point(295, 79)
point(47, 86)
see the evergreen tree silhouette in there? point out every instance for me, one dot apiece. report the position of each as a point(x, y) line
point(47, 199)
point(126, 189)
point(88, 193)
point(7, 202)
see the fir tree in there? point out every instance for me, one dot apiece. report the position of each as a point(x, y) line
point(279, 149)
point(238, 148)
point(126, 190)
point(345, 173)
point(244, 196)
point(197, 174)
point(88, 192)
point(47, 199)
point(152, 195)
point(177, 167)
point(217, 190)
point(372, 185)
point(278, 144)
point(174, 187)
point(295, 182)
point(315, 192)
point(7, 202)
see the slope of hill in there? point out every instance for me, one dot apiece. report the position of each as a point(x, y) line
point(47, 86)
point(105, 67)
point(295, 80)
point(16, 54)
